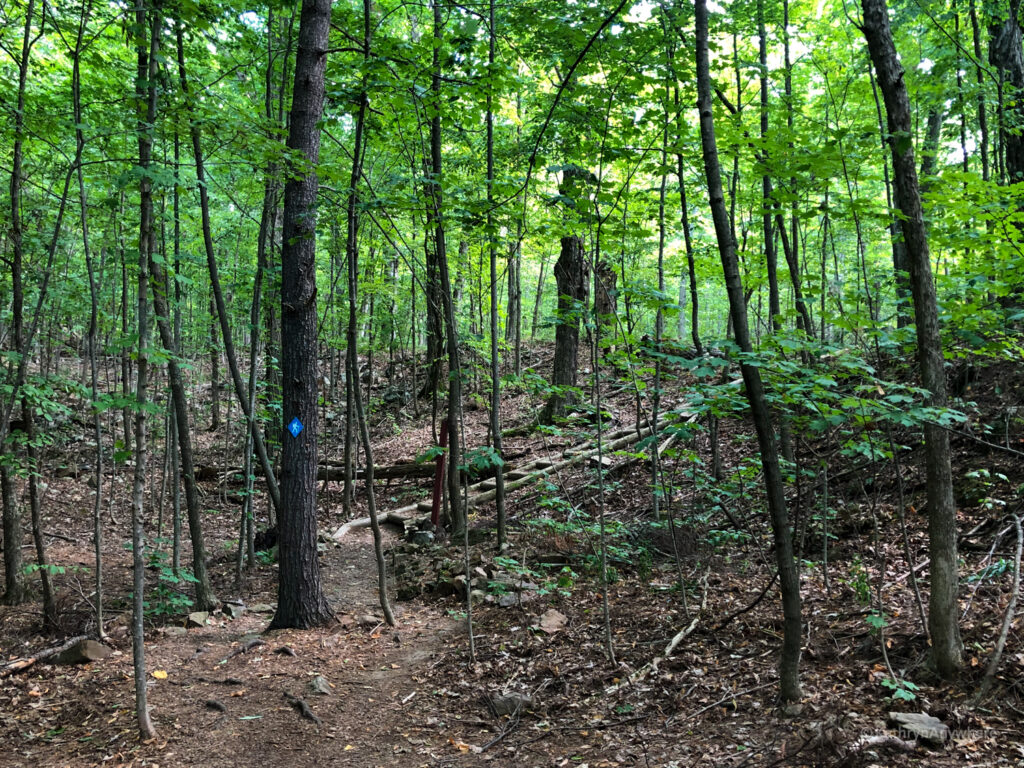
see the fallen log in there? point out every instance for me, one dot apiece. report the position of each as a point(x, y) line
point(484, 491)
point(76, 650)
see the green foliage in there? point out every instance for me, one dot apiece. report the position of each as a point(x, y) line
point(902, 690)
point(859, 581)
point(166, 597)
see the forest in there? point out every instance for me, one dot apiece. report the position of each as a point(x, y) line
point(635, 383)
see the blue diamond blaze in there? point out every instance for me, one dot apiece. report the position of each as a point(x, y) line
point(295, 426)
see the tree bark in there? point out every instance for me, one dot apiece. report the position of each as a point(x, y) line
point(148, 25)
point(1006, 53)
point(15, 590)
point(571, 278)
point(300, 600)
point(492, 247)
point(942, 604)
point(789, 664)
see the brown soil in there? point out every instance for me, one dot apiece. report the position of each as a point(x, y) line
point(414, 697)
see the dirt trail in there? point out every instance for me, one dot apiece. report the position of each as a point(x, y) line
point(380, 712)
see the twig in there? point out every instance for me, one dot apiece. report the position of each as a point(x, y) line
point(303, 708)
point(652, 667)
point(736, 614)
point(1011, 609)
point(722, 701)
point(254, 643)
point(60, 536)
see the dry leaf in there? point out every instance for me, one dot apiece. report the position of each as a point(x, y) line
point(159, 674)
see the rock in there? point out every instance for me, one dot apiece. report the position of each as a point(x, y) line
point(553, 621)
point(197, 619)
point(509, 704)
point(262, 608)
point(508, 599)
point(422, 538)
point(82, 652)
point(479, 596)
point(793, 709)
point(368, 620)
point(407, 592)
point(173, 631)
point(921, 726)
point(234, 610)
point(320, 684)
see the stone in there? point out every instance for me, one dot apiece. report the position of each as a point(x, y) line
point(422, 538)
point(82, 652)
point(234, 610)
point(319, 684)
point(552, 621)
point(173, 631)
point(197, 619)
point(921, 726)
point(479, 596)
point(793, 709)
point(509, 704)
point(262, 608)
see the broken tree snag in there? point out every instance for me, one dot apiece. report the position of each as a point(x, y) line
point(76, 650)
point(302, 708)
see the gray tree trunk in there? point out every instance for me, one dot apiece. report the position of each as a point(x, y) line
point(942, 604)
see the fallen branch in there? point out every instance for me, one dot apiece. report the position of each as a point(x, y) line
point(1011, 610)
point(720, 702)
point(303, 708)
point(736, 614)
point(254, 643)
point(652, 666)
point(19, 665)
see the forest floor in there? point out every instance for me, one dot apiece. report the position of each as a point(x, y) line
point(540, 689)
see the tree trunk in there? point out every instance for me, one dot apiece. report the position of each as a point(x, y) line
point(148, 25)
point(205, 599)
point(456, 514)
point(942, 619)
point(351, 357)
point(222, 313)
point(300, 600)
point(789, 664)
point(571, 278)
point(1006, 53)
point(14, 580)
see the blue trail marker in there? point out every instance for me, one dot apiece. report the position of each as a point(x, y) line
point(295, 426)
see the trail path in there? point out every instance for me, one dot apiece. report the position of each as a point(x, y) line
point(381, 710)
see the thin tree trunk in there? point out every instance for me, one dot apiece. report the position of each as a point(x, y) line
point(211, 262)
point(538, 296)
point(15, 588)
point(454, 416)
point(789, 665)
point(499, 476)
point(352, 359)
point(147, 24)
point(942, 532)
point(97, 524)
